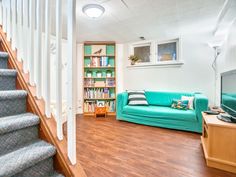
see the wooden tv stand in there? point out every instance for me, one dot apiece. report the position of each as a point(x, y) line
point(219, 143)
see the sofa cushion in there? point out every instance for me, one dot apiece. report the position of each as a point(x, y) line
point(179, 104)
point(137, 98)
point(164, 98)
point(160, 112)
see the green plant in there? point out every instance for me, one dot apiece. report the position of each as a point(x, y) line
point(133, 59)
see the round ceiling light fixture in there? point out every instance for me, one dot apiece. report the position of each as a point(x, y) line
point(93, 10)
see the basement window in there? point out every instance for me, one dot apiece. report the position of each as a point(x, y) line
point(143, 52)
point(156, 53)
point(167, 51)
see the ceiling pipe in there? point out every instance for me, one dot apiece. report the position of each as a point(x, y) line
point(221, 15)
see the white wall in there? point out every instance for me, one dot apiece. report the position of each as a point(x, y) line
point(196, 75)
point(227, 60)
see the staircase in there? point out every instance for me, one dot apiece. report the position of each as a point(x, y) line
point(22, 153)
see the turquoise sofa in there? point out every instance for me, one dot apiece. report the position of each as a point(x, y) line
point(159, 112)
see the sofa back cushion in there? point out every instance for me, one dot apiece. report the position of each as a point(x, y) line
point(164, 98)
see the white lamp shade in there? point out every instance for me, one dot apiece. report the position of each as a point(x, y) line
point(93, 10)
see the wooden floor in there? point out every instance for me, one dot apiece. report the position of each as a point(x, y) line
point(110, 148)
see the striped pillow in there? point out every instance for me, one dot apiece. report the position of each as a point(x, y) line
point(137, 98)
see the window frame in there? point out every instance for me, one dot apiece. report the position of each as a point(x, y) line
point(154, 53)
point(166, 42)
point(143, 44)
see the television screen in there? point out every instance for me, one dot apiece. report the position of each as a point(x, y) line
point(228, 92)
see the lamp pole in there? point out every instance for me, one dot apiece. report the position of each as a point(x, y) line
point(214, 66)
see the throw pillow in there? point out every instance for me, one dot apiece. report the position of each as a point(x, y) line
point(137, 98)
point(180, 104)
point(190, 100)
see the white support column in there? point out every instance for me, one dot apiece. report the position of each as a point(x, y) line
point(8, 21)
point(13, 10)
point(26, 34)
point(19, 30)
point(31, 43)
point(71, 122)
point(47, 58)
point(39, 50)
point(59, 69)
point(1, 12)
point(16, 23)
point(4, 17)
point(22, 39)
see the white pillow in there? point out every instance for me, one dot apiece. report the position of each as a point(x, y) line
point(190, 101)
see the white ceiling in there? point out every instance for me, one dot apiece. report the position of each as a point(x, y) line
point(148, 18)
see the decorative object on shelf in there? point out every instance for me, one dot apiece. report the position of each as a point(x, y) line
point(109, 73)
point(99, 74)
point(89, 73)
point(100, 111)
point(100, 103)
point(134, 59)
point(98, 50)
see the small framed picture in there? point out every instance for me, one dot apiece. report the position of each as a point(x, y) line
point(100, 103)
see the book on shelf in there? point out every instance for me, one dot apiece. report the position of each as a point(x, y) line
point(110, 82)
point(104, 61)
point(88, 82)
point(99, 61)
point(99, 84)
point(93, 83)
point(110, 106)
point(95, 61)
point(106, 93)
point(89, 106)
point(99, 93)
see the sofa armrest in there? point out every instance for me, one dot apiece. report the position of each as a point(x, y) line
point(200, 104)
point(122, 100)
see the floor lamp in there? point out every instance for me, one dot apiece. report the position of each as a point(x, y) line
point(217, 51)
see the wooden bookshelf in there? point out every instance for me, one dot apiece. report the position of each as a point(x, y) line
point(99, 81)
point(102, 67)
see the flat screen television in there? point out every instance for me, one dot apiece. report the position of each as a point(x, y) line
point(228, 92)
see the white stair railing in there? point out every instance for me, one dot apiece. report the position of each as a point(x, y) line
point(39, 50)
point(71, 37)
point(22, 22)
point(59, 69)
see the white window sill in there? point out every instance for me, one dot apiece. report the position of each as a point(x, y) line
point(158, 64)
